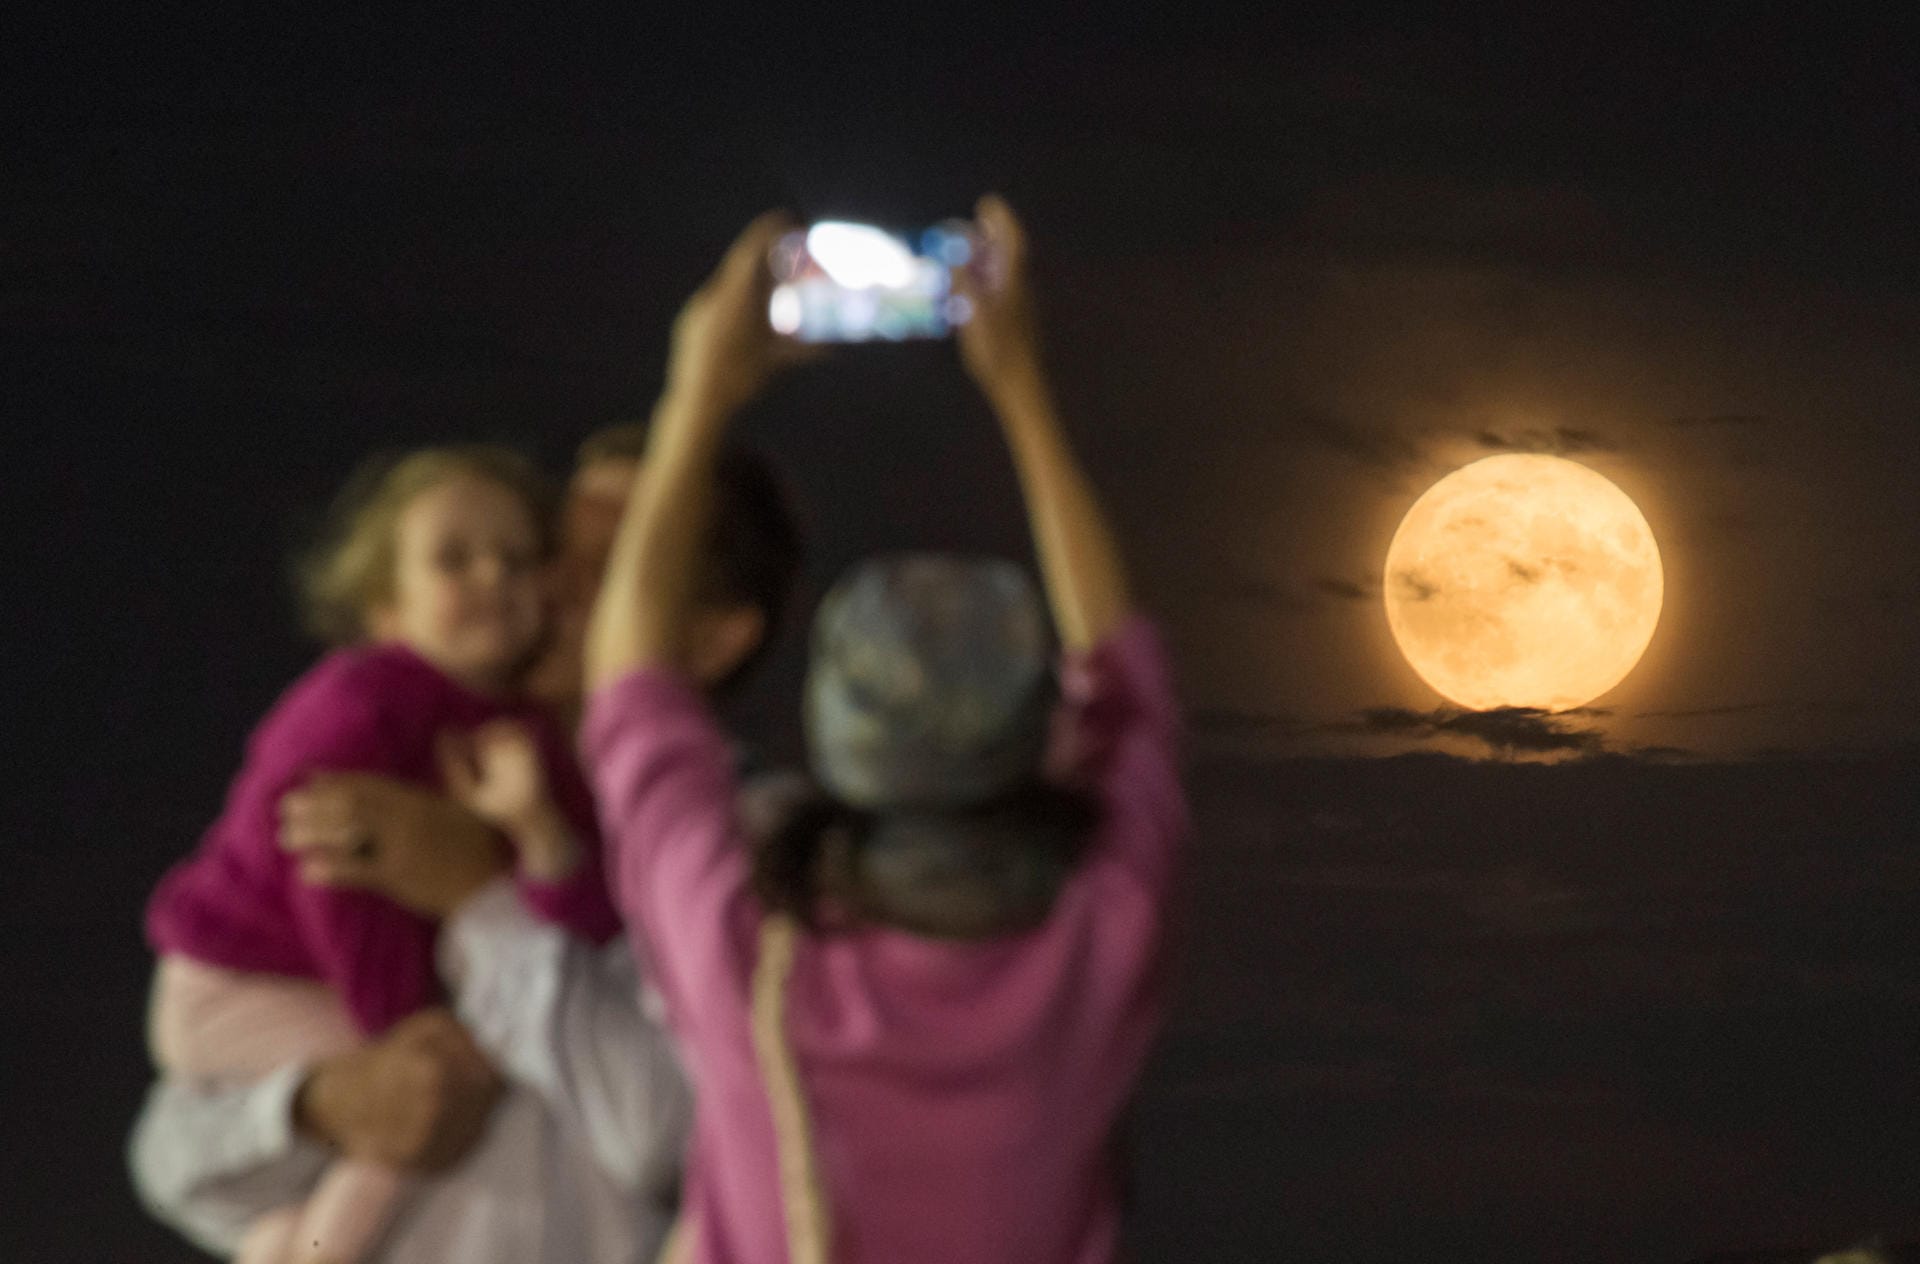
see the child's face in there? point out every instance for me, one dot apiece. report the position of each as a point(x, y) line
point(468, 591)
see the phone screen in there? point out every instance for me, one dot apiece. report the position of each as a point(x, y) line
point(847, 282)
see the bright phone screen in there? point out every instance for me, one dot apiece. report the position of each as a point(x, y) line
point(846, 282)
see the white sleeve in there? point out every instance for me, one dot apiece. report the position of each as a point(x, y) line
point(565, 1019)
point(208, 1160)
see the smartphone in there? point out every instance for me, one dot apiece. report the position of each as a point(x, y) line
point(846, 282)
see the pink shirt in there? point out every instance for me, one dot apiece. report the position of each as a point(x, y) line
point(962, 1095)
point(238, 902)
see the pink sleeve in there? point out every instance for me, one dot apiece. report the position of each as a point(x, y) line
point(376, 955)
point(677, 864)
point(1122, 735)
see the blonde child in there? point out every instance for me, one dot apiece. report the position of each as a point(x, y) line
point(435, 594)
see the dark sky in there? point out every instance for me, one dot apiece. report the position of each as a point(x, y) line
point(1295, 270)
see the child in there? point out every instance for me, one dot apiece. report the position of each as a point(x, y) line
point(885, 1075)
point(435, 591)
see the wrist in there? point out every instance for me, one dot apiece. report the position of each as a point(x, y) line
point(1020, 394)
point(532, 821)
point(694, 408)
point(545, 844)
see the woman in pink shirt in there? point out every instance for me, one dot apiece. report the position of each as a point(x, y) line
point(881, 1079)
point(434, 589)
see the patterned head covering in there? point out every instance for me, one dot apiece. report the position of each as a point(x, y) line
point(930, 682)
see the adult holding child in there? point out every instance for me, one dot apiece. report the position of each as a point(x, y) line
point(580, 1149)
point(883, 1076)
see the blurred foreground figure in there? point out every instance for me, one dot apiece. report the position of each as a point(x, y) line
point(578, 1161)
point(885, 1072)
point(432, 592)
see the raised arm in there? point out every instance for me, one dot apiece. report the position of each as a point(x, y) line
point(1079, 559)
point(724, 350)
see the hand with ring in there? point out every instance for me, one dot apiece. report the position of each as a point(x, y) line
point(419, 849)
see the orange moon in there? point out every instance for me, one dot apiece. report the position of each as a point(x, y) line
point(1523, 581)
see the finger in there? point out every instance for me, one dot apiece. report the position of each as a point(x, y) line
point(748, 253)
point(746, 269)
point(455, 754)
point(341, 792)
point(300, 831)
point(335, 863)
point(448, 1038)
point(303, 836)
point(503, 735)
point(334, 869)
point(315, 806)
point(1006, 237)
point(431, 1027)
point(302, 828)
point(995, 216)
point(967, 280)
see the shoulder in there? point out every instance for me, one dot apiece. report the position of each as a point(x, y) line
point(377, 677)
point(652, 706)
point(354, 691)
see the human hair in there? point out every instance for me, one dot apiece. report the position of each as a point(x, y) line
point(351, 568)
point(971, 873)
point(753, 547)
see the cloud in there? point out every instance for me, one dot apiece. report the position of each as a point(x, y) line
point(1266, 592)
point(1664, 754)
point(1347, 589)
point(1505, 730)
point(1373, 447)
point(1283, 598)
point(1237, 722)
point(1414, 586)
point(1558, 441)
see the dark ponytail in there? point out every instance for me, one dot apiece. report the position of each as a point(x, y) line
point(801, 863)
point(989, 870)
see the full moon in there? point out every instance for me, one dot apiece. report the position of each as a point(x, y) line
point(1523, 581)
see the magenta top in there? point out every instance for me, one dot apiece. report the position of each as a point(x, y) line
point(962, 1095)
point(238, 901)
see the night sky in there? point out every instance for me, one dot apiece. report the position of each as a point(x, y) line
point(1636, 982)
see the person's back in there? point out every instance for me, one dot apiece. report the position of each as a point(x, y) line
point(958, 1094)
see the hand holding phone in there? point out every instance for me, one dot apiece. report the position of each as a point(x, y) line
point(847, 282)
